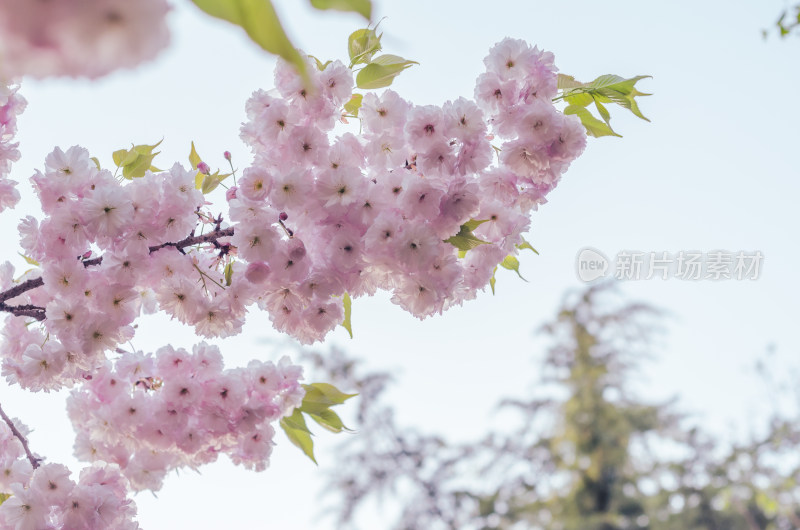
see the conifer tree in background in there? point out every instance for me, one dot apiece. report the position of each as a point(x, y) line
point(587, 454)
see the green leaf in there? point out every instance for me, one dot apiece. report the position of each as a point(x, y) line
point(607, 88)
point(130, 157)
point(136, 161)
point(320, 65)
point(527, 245)
point(209, 184)
point(325, 393)
point(211, 181)
point(387, 59)
point(593, 126)
point(321, 396)
point(347, 324)
point(382, 71)
point(194, 158)
point(465, 240)
point(123, 157)
point(296, 421)
point(603, 111)
point(625, 100)
point(511, 263)
point(472, 224)
point(362, 44)
point(28, 259)
point(493, 280)
point(228, 273)
point(299, 436)
point(4, 497)
point(607, 81)
point(620, 90)
point(96, 162)
point(567, 82)
point(259, 19)
point(118, 156)
point(330, 420)
point(362, 7)
point(145, 149)
point(352, 107)
point(139, 166)
point(316, 403)
point(581, 99)
point(617, 83)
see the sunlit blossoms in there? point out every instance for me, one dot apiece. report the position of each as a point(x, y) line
point(46, 497)
point(425, 202)
point(378, 211)
point(421, 204)
point(150, 414)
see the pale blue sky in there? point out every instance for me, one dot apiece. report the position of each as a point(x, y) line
point(714, 170)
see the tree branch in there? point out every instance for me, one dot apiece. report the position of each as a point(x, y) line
point(28, 310)
point(33, 460)
point(190, 241)
point(25, 310)
point(17, 290)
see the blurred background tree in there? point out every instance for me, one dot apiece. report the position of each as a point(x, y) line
point(583, 452)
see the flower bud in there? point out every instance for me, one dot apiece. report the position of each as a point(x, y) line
point(297, 250)
point(257, 272)
point(202, 167)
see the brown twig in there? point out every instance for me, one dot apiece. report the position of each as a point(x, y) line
point(17, 290)
point(33, 460)
point(25, 310)
point(210, 237)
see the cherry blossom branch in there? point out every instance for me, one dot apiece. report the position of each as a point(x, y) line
point(190, 241)
point(33, 460)
point(20, 289)
point(36, 312)
point(26, 310)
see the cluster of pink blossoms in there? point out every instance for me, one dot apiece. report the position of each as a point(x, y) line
point(46, 497)
point(152, 414)
point(314, 219)
point(90, 309)
point(11, 105)
point(79, 38)
point(376, 211)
